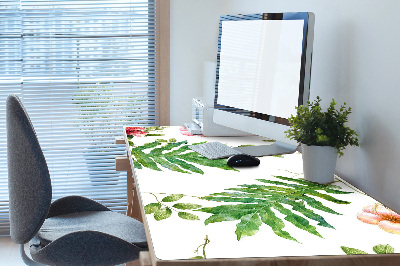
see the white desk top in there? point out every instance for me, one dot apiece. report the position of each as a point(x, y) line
point(264, 211)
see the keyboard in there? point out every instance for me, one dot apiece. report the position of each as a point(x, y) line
point(214, 150)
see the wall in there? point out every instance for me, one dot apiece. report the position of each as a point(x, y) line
point(194, 41)
point(355, 60)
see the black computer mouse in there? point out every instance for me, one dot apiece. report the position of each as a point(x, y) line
point(242, 160)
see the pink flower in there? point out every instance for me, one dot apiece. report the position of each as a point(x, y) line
point(184, 131)
point(136, 131)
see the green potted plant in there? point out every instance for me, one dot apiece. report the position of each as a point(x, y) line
point(323, 136)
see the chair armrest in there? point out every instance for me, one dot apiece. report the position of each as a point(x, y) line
point(72, 204)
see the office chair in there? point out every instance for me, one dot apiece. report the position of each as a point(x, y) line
point(70, 231)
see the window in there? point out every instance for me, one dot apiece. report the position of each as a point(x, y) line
point(83, 69)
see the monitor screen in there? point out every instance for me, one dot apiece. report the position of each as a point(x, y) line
point(260, 63)
point(263, 71)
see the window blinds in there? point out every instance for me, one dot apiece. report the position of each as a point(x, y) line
point(83, 69)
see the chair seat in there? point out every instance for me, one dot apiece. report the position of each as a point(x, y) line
point(108, 222)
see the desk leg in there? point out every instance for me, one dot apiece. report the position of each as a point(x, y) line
point(129, 193)
point(132, 198)
point(133, 210)
point(144, 260)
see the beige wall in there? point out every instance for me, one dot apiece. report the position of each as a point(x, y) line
point(356, 59)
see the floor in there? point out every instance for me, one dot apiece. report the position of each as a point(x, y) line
point(9, 253)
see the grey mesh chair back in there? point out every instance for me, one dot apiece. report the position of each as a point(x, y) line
point(28, 176)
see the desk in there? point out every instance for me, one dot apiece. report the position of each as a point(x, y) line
point(201, 212)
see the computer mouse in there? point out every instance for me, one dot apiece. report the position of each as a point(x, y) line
point(242, 160)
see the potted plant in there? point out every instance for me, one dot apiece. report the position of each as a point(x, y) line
point(323, 136)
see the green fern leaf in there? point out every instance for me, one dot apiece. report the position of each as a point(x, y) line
point(296, 200)
point(174, 156)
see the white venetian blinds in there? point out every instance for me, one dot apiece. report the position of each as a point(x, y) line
point(83, 69)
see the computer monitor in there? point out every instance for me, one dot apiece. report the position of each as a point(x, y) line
point(263, 73)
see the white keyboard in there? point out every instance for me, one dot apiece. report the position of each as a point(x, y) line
point(214, 150)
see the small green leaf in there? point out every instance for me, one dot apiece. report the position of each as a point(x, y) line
point(352, 251)
point(383, 249)
point(248, 226)
point(162, 214)
point(188, 216)
point(186, 206)
point(269, 140)
point(197, 258)
point(152, 207)
point(246, 145)
point(172, 197)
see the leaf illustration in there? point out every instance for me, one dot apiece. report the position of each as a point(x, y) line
point(172, 197)
point(383, 249)
point(203, 247)
point(248, 226)
point(188, 216)
point(378, 249)
point(256, 204)
point(186, 206)
point(196, 258)
point(174, 156)
point(163, 209)
point(352, 251)
point(269, 218)
point(152, 208)
point(162, 214)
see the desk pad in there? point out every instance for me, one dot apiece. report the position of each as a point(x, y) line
point(198, 208)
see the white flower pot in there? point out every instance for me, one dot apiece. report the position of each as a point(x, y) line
point(319, 163)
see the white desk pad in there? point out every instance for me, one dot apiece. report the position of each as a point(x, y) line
point(197, 208)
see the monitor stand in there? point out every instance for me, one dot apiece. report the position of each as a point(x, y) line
point(275, 148)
